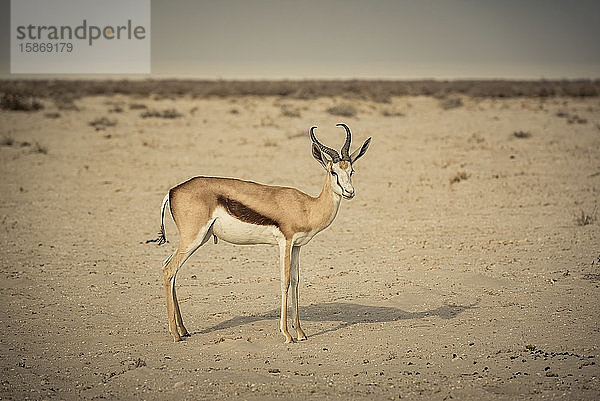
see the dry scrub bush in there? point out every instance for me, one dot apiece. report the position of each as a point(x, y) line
point(168, 113)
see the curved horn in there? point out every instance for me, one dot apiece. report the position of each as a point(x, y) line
point(334, 154)
point(346, 147)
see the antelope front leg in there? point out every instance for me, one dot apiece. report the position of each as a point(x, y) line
point(284, 259)
point(294, 280)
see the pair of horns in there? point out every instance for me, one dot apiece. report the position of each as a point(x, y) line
point(335, 157)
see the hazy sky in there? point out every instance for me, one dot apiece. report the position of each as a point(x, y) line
point(376, 39)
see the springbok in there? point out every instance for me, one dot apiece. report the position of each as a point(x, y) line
point(245, 212)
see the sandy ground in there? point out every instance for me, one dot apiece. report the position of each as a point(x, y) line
point(422, 288)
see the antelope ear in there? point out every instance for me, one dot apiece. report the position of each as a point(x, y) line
point(359, 152)
point(319, 156)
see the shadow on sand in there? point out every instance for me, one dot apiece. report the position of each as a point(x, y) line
point(347, 313)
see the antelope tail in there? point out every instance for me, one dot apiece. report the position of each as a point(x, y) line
point(162, 237)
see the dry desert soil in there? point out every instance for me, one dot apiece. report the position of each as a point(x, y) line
point(466, 267)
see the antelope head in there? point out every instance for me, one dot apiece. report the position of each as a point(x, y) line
point(338, 167)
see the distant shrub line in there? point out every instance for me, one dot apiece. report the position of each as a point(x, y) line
point(379, 91)
point(17, 102)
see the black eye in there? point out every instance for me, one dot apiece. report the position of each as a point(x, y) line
point(333, 172)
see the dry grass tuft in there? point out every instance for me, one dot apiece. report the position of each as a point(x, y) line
point(137, 106)
point(392, 113)
point(7, 141)
point(290, 111)
point(270, 143)
point(575, 119)
point(571, 118)
point(522, 134)
point(584, 218)
point(343, 110)
point(66, 104)
point(102, 123)
point(451, 102)
point(458, 177)
point(37, 148)
point(297, 134)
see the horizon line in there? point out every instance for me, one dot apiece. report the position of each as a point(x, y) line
point(190, 77)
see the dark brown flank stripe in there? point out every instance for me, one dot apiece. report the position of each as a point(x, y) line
point(244, 213)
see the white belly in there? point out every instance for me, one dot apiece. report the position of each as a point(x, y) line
point(232, 230)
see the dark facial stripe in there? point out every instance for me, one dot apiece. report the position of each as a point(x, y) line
point(337, 180)
point(244, 213)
